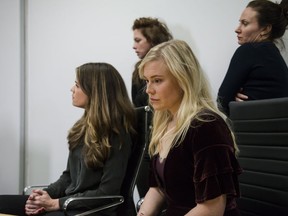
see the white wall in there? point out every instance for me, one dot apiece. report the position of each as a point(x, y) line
point(63, 34)
point(10, 78)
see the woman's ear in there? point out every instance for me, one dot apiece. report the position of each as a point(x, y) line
point(266, 31)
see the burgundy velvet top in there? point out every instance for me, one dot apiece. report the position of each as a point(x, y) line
point(200, 168)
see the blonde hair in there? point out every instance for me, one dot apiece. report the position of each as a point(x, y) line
point(184, 66)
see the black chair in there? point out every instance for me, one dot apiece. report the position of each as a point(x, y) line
point(124, 203)
point(142, 183)
point(261, 131)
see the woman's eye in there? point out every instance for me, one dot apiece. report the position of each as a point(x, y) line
point(153, 81)
point(245, 23)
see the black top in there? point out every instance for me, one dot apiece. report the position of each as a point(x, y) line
point(259, 70)
point(80, 181)
point(139, 95)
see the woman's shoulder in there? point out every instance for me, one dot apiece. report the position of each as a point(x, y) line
point(245, 53)
point(244, 48)
point(206, 116)
point(255, 46)
point(116, 139)
point(208, 131)
point(208, 122)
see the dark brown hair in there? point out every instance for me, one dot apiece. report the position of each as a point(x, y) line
point(273, 14)
point(155, 32)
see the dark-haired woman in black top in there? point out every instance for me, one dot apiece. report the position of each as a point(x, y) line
point(257, 70)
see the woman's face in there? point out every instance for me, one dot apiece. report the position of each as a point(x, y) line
point(162, 87)
point(79, 98)
point(141, 45)
point(248, 29)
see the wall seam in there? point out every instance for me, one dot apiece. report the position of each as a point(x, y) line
point(23, 94)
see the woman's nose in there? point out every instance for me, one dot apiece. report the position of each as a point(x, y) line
point(237, 30)
point(149, 89)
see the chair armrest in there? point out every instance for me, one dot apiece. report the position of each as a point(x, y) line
point(117, 200)
point(27, 190)
point(139, 203)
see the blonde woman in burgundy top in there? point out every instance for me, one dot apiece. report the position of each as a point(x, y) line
point(194, 167)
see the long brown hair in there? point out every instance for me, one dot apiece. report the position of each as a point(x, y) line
point(109, 110)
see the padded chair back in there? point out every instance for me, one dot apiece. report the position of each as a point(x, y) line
point(128, 208)
point(261, 130)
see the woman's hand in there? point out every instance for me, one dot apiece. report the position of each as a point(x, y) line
point(40, 201)
point(33, 209)
point(240, 97)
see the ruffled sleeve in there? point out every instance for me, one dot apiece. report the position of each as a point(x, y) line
point(215, 172)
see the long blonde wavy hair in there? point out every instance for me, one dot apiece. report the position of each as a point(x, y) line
point(184, 66)
point(109, 110)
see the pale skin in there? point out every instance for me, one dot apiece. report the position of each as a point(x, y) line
point(162, 88)
point(241, 97)
point(39, 200)
point(250, 31)
point(141, 45)
point(79, 98)
point(166, 94)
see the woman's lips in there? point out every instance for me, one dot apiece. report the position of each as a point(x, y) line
point(153, 100)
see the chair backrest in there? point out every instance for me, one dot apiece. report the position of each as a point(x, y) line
point(140, 144)
point(261, 131)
